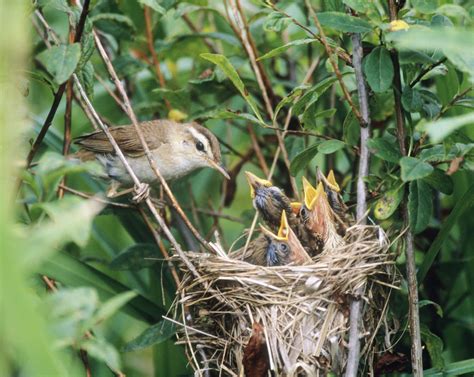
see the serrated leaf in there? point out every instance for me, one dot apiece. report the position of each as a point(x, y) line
point(330, 146)
point(223, 63)
point(438, 130)
point(153, 4)
point(384, 149)
point(343, 22)
point(378, 69)
point(103, 351)
point(434, 344)
point(303, 158)
point(440, 181)
point(420, 205)
point(86, 77)
point(411, 100)
point(439, 309)
point(155, 334)
point(388, 203)
point(136, 257)
point(279, 50)
point(414, 168)
point(61, 61)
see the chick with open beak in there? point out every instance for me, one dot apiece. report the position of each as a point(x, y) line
point(268, 200)
point(318, 216)
point(333, 192)
point(284, 247)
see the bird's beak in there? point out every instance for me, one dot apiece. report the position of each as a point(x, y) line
point(296, 207)
point(310, 193)
point(283, 232)
point(219, 167)
point(255, 182)
point(329, 181)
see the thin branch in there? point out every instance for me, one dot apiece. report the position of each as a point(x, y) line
point(142, 139)
point(60, 91)
point(413, 313)
point(340, 52)
point(258, 150)
point(352, 365)
point(329, 51)
point(209, 43)
point(423, 72)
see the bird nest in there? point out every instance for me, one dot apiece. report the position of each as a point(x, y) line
point(292, 320)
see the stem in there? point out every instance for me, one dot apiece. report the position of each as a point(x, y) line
point(361, 210)
point(413, 312)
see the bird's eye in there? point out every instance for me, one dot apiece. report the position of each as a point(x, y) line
point(284, 247)
point(200, 146)
point(303, 212)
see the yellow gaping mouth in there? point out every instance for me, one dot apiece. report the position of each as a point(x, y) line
point(329, 181)
point(311, 194)
point(283, 232)
point(254, 182)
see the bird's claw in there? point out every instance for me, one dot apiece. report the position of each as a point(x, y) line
point(141, 191)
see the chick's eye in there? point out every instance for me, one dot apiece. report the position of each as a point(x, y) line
point(284, 247)
point(200, 146)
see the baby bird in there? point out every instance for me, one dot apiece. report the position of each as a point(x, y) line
point(178, 149)
point(333, 192)
point(270, 249)
point(318, 215)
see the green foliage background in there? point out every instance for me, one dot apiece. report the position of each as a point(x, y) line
point(98, 255)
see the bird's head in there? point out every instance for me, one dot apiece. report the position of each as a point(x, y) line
point(316, 211)
point(203, 148)
point(284, 247)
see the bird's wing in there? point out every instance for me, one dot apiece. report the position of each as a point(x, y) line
point(126, 138)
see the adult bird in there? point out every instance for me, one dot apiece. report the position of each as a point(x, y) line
point(318, 216)
point(177, 148)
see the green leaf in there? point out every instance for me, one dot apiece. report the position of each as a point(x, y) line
point(465, 203)
point(413, 168)
point(103, 351)
point(440, 181)
point(425, 6)
point(136, 257)
point(360, 6)
point(385, 149)
point(351, 129)
point(411, 100)
point(111, 306)
point(223, 63)
point(74, 273)
point(451, 370)
point(420, 205)
point(439, 129)
point(153, 4)
point(330, 146)
point(285, 47)
point(388, 203)
point(343, 22)
point(439, 309)
point(155, 334)
point(303, 158)
point(434, 344)
point(290, 98)
point(276, 21)
point(436, 153)
point(61, 61)
point(378, 69)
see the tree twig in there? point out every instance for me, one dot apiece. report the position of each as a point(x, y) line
point(59, 93)
point(329, 51)
point(353, 357)
point(413, 312)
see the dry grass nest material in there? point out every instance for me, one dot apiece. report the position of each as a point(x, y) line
point(304, 310)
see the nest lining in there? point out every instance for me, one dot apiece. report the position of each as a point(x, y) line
point(304, 309)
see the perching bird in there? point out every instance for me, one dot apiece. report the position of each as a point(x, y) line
point(270, 201)
point(178, 149)
point(270, 249)
point(318, 215)
point(333, 191)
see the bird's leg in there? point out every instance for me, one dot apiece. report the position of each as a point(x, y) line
point(141, 191)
